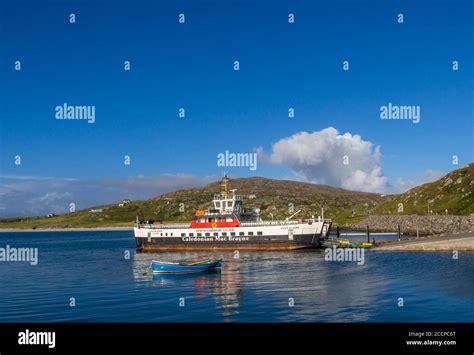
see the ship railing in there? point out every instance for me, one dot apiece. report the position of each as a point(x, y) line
point(171, 226)
point(144, 225)
point(163, 226)
point(273, 223)
point(268, 223)
point(229, 197)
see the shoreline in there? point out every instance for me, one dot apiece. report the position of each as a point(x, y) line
point(423, 225)
point(447, 242)
point(82, 229)
point(463, 241)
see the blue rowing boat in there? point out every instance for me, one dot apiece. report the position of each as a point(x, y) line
point(185, 266)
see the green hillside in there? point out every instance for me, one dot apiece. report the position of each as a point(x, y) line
point(453, 192)
point(277, 197)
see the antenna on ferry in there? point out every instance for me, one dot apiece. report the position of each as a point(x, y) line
point(225, 180)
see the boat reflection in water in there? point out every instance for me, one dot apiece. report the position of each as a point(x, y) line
point(223, 284)
point(256, 287)
point(320, 290)
point(302, 286)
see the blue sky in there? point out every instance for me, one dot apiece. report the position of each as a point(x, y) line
point(190, 65)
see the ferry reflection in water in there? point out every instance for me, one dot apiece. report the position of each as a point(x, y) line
point(320, 289)
point(254, 288)
point(223, 284)
point(259, 285)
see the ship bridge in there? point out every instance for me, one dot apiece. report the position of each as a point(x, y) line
point(226, 210)
point(227, 202)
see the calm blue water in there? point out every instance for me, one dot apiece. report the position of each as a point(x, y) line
point(90, 266)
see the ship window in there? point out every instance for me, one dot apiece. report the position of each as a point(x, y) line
point(241, 233)
point(199, 234)
point(232, 233)
point(208, 234)
point(161, 234)
point(166, 234)
point(183, 234)
point(171, 234)
point(224, 234)
point(229, 204)
point(250, 233)
point(216, 234)
point(191, 234)
point(259, 233)
point(218, 204)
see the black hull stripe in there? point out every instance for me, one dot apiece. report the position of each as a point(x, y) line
point(253, 243)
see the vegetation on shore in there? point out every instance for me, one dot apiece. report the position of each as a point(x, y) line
point(415, 224)
point(276, 199)
point(452, 195)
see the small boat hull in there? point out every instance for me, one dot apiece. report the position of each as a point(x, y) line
point(177, 268)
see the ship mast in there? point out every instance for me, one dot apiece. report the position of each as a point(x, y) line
point(225, 190)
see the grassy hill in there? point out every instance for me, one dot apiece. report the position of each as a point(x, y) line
point(453, 192)
point(275, 197)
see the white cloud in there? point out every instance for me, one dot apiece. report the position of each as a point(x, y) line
point(319, 157)
point(24, 196)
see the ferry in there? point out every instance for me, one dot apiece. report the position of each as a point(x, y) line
point(227, 225)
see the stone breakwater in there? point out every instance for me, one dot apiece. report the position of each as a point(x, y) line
point(427, 225)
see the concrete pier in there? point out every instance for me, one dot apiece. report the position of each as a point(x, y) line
point(448, 242)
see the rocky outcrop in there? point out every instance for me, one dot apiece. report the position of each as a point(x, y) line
point(427, 225)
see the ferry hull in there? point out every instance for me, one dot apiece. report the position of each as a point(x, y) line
point(263, 243)
point(255, 247)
